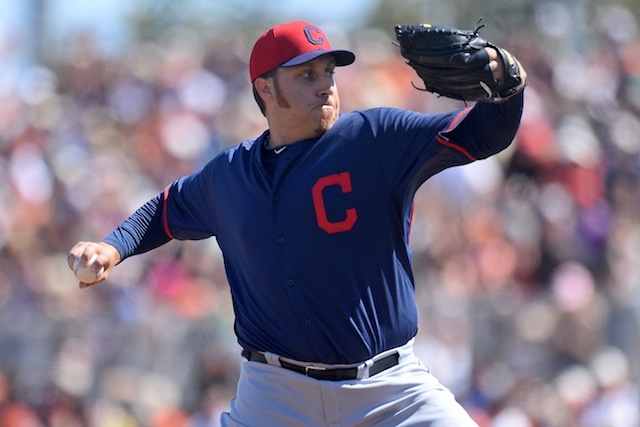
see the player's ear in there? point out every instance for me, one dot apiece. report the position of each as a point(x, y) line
point(264, 88)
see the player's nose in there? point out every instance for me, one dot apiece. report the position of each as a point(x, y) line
point(326, 85)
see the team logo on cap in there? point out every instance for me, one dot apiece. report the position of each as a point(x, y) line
point(310, 36)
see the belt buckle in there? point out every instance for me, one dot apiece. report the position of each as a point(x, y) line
point(313, 369)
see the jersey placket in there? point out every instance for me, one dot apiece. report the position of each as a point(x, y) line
point(281, 200)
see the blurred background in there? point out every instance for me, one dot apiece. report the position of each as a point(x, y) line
point(527, 264)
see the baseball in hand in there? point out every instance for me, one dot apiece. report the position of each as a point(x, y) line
point(84, 273)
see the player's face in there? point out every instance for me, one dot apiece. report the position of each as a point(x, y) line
point(307, 97)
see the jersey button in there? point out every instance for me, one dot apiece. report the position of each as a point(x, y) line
point(281, 239)
point(276, 197)
point(291, 282)
point(308, 323)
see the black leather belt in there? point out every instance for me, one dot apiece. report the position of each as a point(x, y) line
point(327, 374)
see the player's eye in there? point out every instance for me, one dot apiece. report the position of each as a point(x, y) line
point(308, 75)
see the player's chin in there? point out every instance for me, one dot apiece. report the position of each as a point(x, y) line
point(324, 126)
point(328, 117)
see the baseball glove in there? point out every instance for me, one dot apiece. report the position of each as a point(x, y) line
point(453, 63)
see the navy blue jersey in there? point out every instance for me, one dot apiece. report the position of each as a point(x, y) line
point(315, 244)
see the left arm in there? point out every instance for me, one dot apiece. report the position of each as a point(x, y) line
point(490, 127)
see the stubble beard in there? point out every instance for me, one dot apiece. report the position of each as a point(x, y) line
point(327, 119)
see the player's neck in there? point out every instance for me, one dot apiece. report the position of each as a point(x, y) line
point(280, 139)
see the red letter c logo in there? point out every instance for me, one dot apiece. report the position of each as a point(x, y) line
point(344, 181)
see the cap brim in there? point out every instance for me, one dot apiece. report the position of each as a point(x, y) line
point(343, 57)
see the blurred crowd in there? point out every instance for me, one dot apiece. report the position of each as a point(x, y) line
point(527, 264)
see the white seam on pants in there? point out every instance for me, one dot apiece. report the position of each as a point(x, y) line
point(330, 404)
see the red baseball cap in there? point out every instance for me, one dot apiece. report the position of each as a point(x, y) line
point(290, 44)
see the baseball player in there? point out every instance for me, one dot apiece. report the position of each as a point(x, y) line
point(313, 218)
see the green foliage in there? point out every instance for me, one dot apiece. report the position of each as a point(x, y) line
point(156, 19)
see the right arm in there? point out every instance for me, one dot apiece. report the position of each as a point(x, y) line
point(141, 232)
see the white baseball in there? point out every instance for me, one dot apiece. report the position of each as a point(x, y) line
point(84, 273)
